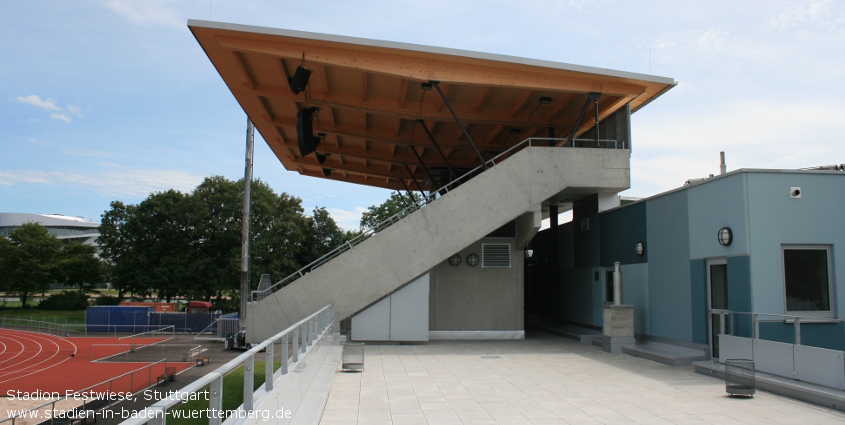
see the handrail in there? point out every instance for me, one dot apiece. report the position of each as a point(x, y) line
point(83, 391)
point(417, 204)
point(755, 321)
point(306, 332)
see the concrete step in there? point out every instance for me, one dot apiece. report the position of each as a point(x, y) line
point(668, 354)
point(575, 332)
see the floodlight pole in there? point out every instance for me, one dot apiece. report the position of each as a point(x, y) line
point(245, 226)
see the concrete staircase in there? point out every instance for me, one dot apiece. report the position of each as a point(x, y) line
point(516, 188)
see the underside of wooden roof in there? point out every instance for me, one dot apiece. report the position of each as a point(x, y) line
point(372, 106)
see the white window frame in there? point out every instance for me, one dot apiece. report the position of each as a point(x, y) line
point(830, 279)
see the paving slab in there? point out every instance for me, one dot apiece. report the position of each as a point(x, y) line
point(543, 379)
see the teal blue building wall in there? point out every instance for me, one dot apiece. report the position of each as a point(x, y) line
point(669, 290)
point(668, 284)
point(776, 219)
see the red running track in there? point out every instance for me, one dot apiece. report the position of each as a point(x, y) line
point(31, 361)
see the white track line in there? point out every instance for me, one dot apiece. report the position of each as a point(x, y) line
point(18, 353)
point(23, 338)
point(53, 338)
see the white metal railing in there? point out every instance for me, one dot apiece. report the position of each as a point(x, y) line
point(727, 318)
point(98, 395)
point(294, 343)
point(421, 202)
point(112, 352)
point(220, 327)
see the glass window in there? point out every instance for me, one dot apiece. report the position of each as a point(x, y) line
point(806, 275)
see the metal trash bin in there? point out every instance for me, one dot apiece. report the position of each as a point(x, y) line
point(739, 377)
point(353, 357)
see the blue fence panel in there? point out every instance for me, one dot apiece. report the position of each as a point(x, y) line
point(183, 322)
point(112, 318)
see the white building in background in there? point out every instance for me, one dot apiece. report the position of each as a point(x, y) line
point(62, 227)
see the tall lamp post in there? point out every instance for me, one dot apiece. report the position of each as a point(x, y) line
point(245, 227)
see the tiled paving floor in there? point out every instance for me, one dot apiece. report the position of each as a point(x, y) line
point(542, 380)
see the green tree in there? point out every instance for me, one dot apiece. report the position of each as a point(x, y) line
point(393, 205)
point(279, 230)
point(323, 236)
point(161, 247)
point(29, 261)
point(189, 244)
point(116, 248)
point(79, 265)
point(215, 210)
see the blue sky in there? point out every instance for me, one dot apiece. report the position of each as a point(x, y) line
point(111, 100)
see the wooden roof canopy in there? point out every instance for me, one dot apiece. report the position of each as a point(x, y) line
point(370, 100)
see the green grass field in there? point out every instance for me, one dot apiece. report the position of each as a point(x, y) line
point(56, 316)
point(233, 395)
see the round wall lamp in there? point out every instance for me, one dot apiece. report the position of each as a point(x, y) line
point(725, 236)
point(472, 260)
point(455, 260)
point(639, 248)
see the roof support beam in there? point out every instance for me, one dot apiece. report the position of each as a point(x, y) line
point(440, 151)
point(413, 178)
point(592, 97)
point(419, 158)
point(408, 190)
point(458, 120)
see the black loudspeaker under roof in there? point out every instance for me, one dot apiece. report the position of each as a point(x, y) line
point(305, 131)
point(299, 80)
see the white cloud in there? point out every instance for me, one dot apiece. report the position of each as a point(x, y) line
point(60, 117)
point(50, 105)
point(759, 133)
point(147, 13)
point(120, 183)
point(346, 219)
point(794, 14)
point(117, 183)
point(35, 100)
point(74, 110)
point(8, 178)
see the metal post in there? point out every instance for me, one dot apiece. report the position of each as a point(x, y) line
point(215, 400)
point(617, 284)
point(245, 225)
point(285, 354)
point(592, 97)
point(303, 345)
point(756, 325)
point(597, 123)
point(158, 418)
point(721, 323)
point(555, 258)
point(268, 367)
point(295, 351)
point(436, 85)
point(249, 381)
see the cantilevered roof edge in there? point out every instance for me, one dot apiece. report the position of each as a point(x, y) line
point(433, 50)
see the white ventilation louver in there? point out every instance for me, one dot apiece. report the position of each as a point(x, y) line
point(496, 255)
